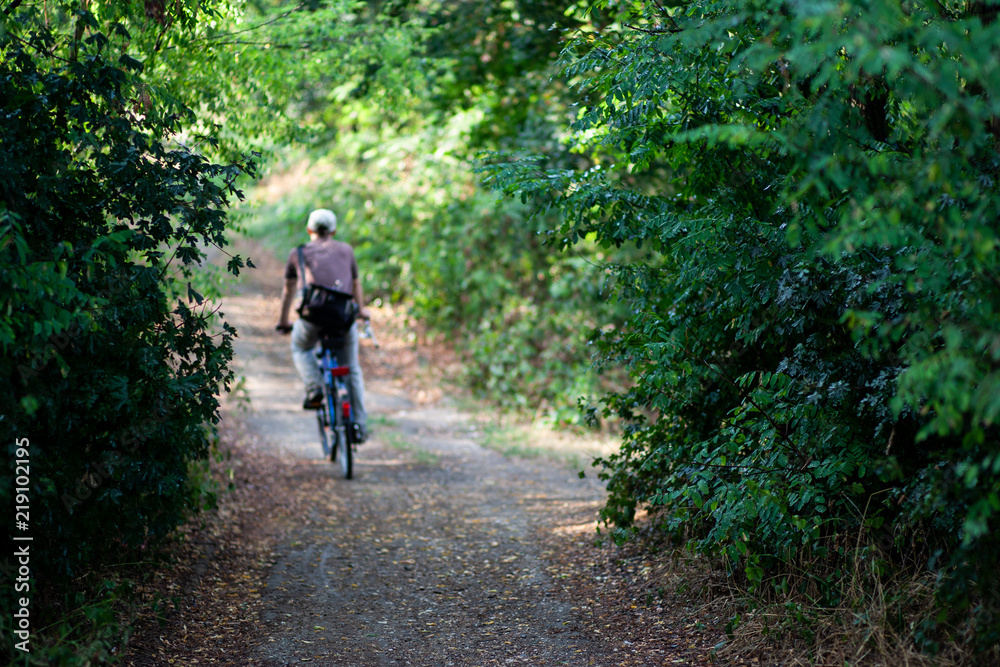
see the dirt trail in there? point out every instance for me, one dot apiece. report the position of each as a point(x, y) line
point(439, 552)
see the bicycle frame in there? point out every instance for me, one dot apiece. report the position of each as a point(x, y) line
point(336, 417)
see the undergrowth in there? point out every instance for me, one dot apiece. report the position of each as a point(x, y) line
point(86, 625)
point(887, 616)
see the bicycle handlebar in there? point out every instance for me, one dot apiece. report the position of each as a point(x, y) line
point(367, 333)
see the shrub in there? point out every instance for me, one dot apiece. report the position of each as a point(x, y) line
point(814, 340)
point(113, 361)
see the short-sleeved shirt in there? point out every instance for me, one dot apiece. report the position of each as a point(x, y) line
point(328, 263)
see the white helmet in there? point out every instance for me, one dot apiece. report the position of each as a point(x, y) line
point(322, 218)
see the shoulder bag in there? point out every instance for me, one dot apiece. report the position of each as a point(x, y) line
point(325, 307)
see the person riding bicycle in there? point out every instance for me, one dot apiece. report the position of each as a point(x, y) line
point(332, 264)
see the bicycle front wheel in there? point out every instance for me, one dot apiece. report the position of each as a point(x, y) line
point(343, 454)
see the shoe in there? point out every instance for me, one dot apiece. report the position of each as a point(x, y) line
point(360, 434)
point(314, 400)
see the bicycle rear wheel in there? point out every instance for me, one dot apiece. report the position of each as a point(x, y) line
point(343, 453)
point(325, 437)
point(343, 449)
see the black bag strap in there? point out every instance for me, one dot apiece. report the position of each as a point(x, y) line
point(302, 272)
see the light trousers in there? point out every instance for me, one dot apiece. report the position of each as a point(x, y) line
point(305, 336)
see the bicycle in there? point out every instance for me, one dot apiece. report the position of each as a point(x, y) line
point(338, 433)
point(337, 430)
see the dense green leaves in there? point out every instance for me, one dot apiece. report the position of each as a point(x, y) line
point(815, 333)
point(112, 362)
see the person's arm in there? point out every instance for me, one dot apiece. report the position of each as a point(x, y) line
point(359, 296)
point(287, 296)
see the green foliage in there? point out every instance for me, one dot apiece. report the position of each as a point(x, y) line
point(475, 270)
point(795, 205)
point(271, 73)
point(814, 339)
point(113, 359)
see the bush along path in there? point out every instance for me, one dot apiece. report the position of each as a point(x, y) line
point(439, 552)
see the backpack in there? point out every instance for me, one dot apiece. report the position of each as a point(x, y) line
point(327, 308)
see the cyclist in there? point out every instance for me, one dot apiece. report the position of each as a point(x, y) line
point(332, 264)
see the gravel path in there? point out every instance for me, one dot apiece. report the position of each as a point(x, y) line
point(439, 552)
